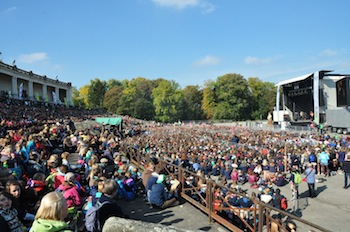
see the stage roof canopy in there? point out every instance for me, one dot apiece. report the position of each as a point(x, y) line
point(295, 79)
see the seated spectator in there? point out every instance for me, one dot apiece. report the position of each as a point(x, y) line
point(33, 165)
point(70, 190)
point(51, 213)
point(234, 174)
point(96, 193)
point(5, 174)
point(9, 221)
point(23, 199)
point(39, 184)
point(64, 157)
point(160, 196)
point(266, 196)
point(59, 177)
point(111, 208)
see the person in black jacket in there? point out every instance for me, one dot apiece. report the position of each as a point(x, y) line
point(346, 169)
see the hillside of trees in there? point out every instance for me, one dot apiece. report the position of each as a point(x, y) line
point(230, 97)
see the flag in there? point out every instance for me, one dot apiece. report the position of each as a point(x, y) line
point(20, 91)
point(54, 97)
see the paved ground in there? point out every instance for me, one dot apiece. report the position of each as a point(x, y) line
point(183, 216)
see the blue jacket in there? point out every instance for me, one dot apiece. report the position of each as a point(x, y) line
point(158, 195)
point(310, 175)
point(324, 158)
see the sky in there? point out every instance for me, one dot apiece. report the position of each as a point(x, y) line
point(188, 41)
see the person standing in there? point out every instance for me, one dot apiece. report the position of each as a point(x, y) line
point(310, 173)
point(346, 169)
point(324, 159)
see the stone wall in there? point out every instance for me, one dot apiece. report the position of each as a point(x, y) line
point(116, 224)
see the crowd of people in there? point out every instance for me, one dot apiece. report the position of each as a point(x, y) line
point(41, 190)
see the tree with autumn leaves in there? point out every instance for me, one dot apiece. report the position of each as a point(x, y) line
point(230, 97)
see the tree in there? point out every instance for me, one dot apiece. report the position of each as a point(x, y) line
point(263, 94)
point(209, 99)
point(83, 95)
point(233, 97)
point(167, 99)
point(96, 91)
point(113, 82)
point(192, 103)
point(136, 99)
point(77, 99)
point(111, 98)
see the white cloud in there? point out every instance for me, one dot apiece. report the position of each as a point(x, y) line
point(11, 9)
point(256, 60)
point(205, 6)
point(208, 60)
point(180, 4)
point(34, 57)
point(328, 52)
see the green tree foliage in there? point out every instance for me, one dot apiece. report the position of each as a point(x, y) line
point(136, 99)
point(113, 82)
point(233, 97)
point(192, 103)
point(209, 101)
point(229, 97)
point(111, 98)
point(77, 99)
point(167, 100)
point(263, 97)
point(96, 91)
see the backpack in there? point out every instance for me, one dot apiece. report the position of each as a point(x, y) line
point(297, 178)
point(92, 221)
point(284, 203)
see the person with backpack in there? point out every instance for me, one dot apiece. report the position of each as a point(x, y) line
point(310, 173)
point(295, 180)
point(104, 208)
point(280, 201)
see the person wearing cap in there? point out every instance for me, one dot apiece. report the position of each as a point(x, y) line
point(159, 195)
point(310, 173)
point(70, 190)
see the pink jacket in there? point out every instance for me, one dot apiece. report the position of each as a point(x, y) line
point(234, 175)
point(70, 193)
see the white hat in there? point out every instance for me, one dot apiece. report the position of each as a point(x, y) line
point(69, 177)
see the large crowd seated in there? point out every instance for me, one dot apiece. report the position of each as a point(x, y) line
point(37, 139)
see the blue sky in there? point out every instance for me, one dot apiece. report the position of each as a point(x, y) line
point(189, 41)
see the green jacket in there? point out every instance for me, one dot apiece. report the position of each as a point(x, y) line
point(48, 226)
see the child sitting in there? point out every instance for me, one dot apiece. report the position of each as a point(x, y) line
point(10, 220)
point(38, 183)
point(70, 191)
